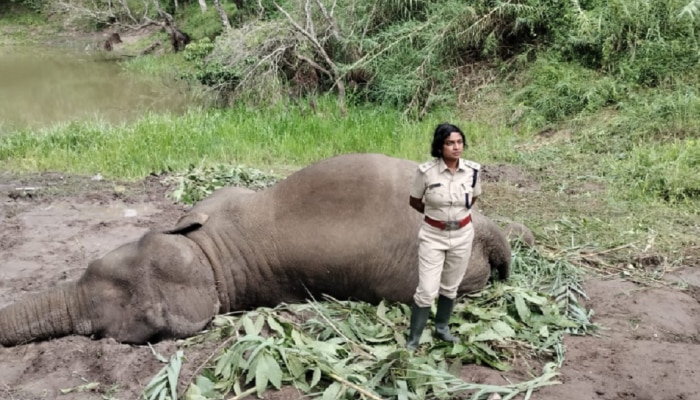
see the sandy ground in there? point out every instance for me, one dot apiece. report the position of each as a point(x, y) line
point(648, 349)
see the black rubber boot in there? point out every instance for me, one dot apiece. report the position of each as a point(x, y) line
point(442, 319)
point(419, 317)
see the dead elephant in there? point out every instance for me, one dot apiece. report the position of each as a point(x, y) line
point(341, 227)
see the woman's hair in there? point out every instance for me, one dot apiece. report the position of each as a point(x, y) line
point(442, 132)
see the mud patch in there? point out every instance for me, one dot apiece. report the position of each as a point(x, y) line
point(513, 175)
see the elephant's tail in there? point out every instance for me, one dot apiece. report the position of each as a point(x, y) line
point(500, 256)
point(53, 313)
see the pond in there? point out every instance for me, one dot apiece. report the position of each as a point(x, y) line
point(40, 87)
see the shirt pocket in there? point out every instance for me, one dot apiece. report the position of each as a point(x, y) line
point(437, 194)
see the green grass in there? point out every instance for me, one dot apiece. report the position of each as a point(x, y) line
point(164, 66)
point(273, 138)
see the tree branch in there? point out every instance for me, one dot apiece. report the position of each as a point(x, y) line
point(314, 64)
point(310, 34)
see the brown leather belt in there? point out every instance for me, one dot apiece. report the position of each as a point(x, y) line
point(449, 225)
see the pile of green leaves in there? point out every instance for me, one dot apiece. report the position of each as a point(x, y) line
point(196, 183)
point(335, 349)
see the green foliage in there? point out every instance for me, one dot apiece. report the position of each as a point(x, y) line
point(412, 54)
point(405, 53)
point(657, 116)
point(33, 5)
point(239, 66)
point(165, 68)
point(344, 349)
point(557, 276)
point(640, 41)
point(210, 71)
point(599, 51)
point(555, 91)
point(285, 137)
point(668, 171)
point(198, 50)
point(414, 57)
point(200, 25)
point(199, 182)
point(163, 386)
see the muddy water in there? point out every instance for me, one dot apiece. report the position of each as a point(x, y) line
point(42, 87)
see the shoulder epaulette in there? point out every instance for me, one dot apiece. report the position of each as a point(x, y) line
point(427, 165)
point(472, 164)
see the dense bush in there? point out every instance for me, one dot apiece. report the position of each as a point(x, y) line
point(409, 53)
point(555, 91)
point(34, 5)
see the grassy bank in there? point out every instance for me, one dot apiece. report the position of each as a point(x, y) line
point(576, 192)
point(281, 137)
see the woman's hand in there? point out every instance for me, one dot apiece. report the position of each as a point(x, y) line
point(417, 204)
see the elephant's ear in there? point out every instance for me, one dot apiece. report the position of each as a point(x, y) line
point(188, 223)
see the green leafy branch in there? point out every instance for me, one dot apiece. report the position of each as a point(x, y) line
point(163, 386)
point(335, 349)
point(197, 183)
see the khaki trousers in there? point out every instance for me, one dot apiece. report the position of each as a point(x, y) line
point(443, 257)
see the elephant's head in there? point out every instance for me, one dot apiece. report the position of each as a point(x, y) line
point(159, 286)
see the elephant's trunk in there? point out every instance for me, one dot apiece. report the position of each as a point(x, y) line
point(53, 313)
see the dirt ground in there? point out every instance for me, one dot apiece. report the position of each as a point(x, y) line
point(52, 225)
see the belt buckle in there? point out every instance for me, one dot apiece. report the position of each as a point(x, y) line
point(451, 225)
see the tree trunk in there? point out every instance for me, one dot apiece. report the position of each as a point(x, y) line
point(167, 17)
point(203, 6)
point(56, 312)
point(222, 15)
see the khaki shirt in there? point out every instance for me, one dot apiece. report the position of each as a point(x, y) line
point(446, 195)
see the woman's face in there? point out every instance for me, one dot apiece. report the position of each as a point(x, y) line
point(453, 146)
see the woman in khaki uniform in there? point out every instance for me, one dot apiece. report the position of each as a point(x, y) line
point(444, 190)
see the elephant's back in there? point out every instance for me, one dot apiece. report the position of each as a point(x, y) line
point(348, 218)
point(353, 180)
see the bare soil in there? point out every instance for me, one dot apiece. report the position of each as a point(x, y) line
point(52, 225)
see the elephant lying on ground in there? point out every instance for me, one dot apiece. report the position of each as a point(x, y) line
point(342, 227)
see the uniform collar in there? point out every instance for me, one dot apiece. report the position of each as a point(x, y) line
point(443, 166)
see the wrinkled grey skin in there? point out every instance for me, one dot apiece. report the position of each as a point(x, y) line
point(342, 227)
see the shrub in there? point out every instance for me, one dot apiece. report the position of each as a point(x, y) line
point(558, 90)
point(655, 117)
point(207, 24)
